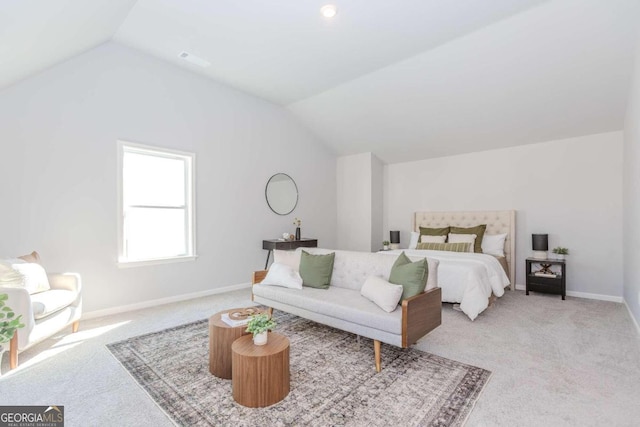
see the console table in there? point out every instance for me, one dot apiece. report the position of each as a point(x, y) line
point(287, 245)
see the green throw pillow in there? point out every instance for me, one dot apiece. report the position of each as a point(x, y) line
point(316, 270)
point(424, 231)
point(478, 230)
point(411, 275)
point(449, 247)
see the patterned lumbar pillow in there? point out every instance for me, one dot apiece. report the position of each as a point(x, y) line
point(316, 270)
point(463, 238)
point(411, 275)
point(382, 293)
point(449, 247)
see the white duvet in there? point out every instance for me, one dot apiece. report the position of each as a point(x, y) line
point(465, 278)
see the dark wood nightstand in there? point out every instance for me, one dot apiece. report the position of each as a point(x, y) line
point(287, 245)
point(551, 285)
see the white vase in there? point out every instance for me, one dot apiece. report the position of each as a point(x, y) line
point(260, 339)
point(559, 256)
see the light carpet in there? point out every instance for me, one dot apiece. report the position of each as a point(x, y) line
point(333, 380)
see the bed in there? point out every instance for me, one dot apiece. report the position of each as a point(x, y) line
point(471, 279)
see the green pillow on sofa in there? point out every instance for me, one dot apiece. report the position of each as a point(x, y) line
point(316, 270)
point(411, 275)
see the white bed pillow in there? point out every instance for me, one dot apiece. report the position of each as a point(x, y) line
point(493, 244)
point(382, 293)
point(415, 238)
point(432, 239)
point(463, 238)
point(290, 258)
point(282, 275)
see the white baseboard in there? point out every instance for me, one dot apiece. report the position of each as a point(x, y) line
point(162, 301)
point(635, 321)
point(584, 295)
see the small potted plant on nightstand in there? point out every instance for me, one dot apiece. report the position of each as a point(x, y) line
point(560, 252)
point(385, 245)
point(9, 324)
point(259, 325)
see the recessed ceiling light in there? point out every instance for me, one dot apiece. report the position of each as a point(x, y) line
point(190, 57)
point(328, 10)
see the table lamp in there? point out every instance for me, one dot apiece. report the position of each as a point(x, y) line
point(540, 245)
point(394, 239)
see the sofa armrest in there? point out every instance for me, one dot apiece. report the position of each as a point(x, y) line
point(258, 276)
point(421, 314)
point(66, 281)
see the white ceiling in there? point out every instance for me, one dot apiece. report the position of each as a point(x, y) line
point(405, 80)
point(36, 34)
point(560, 70)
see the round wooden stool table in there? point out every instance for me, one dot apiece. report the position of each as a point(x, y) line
point(260, 372)
point(221, 336)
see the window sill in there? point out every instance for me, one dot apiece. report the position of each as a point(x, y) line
point(146, 262)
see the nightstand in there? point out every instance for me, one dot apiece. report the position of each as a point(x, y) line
point(551, 285)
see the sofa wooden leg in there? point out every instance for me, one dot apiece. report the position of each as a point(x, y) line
point(13, 351)
point(74, 326)
point(270, 311)
point(376, 349)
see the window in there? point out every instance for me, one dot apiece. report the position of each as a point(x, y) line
point(156, 215)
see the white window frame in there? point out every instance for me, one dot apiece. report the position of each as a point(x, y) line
point(190, 202)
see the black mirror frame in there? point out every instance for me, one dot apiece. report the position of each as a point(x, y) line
point(267, 197)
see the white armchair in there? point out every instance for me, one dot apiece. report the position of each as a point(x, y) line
point(44, 313)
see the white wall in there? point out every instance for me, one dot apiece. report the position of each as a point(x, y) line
point(377, 204)
point(354, 202)
point(632, 196)
point(360, 202)
point(570, 189)
point(58, 132)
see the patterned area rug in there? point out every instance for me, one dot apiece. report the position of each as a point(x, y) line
point(333, 380)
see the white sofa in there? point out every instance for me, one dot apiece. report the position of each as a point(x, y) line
point(44, 313)
point(342, 307)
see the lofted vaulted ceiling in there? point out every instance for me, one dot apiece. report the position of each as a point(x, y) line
point(405, 80)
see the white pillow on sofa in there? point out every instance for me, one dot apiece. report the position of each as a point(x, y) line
point(34, 277)
point(382, 293)
point(282, 275)
point(493, 244)
point(290, 258)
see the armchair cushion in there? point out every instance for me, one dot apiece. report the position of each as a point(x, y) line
point(48, 302)
point(34, 277)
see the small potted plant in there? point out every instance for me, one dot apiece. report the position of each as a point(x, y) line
point(385, 245)
point(560, 252)
point(9, 324)
point(259, 325)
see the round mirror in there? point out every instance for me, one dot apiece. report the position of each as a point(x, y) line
point(281, 193)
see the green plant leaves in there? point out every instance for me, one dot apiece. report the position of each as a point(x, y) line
point(11, 323)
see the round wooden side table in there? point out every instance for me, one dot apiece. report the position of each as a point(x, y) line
point(260, 372)
point(221, 336)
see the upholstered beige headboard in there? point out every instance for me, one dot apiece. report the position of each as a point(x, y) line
point(498, 222)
